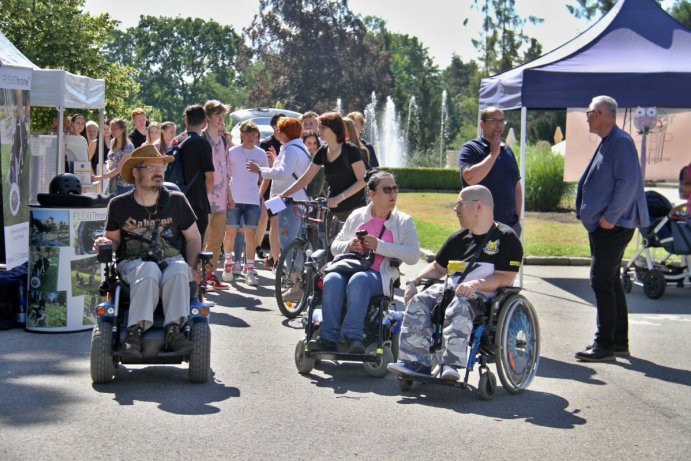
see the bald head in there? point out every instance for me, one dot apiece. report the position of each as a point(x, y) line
point(479, 193)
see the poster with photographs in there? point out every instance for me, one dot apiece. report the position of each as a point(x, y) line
point(14, 161)
point(64, 273)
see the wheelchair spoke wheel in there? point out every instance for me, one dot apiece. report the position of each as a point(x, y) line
point(102, 366)
point(291, 287)
point(303, 363)
point(378, 368)
point(200, 357)
point(517, 344)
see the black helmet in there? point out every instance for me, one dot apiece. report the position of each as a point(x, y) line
point(65, 183)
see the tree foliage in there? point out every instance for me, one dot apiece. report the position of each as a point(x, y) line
point(502, 39)
point(180, 61)
point(314, 52)
point(58, 34)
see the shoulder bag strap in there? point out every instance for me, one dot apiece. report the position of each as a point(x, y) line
point(476, 255)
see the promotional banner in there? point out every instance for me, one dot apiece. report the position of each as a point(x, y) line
point(14, 153)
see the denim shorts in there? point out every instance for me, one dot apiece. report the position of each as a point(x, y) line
point(245, 213)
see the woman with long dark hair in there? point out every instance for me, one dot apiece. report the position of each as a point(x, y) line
point(120, 149)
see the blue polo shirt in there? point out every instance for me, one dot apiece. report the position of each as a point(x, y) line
point(501, 179)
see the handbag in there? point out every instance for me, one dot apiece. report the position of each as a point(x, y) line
point(352, 262)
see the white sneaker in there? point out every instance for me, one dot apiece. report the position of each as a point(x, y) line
point(227, 275)
point(251, 278)
point(450, 374)
point(237, 269)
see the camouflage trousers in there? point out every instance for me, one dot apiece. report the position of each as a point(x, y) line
point(416, 330)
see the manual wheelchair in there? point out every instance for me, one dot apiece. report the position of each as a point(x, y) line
point(505, 332)
point(382, 324)
point(111, 328)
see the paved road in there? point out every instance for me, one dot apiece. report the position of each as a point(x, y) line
point(258, 407)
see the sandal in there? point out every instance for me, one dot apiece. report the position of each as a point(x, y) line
point(269, 263)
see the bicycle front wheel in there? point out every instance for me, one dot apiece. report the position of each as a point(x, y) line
point(291, 286)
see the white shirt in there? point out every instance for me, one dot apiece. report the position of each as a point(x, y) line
point(292, 161)
point(244, 185)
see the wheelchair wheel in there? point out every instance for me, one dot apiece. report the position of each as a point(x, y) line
point(378, 368)
point(290, 278)
point(405, 384)
point(654, 284)
point(303, 363)
point(102, 365)
point(517, 342)
point(626, 282)
point(487, 386)
point(200, 357)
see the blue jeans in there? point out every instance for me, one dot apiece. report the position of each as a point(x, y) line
point(288, 226)
point(356, 290)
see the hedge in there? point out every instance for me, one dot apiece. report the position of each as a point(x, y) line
point(426, 178)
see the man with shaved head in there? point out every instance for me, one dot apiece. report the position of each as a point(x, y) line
point(494, 253)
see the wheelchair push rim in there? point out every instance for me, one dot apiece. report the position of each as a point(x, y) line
point(517, 344)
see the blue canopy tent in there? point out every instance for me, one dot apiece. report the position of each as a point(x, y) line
point(636, 53)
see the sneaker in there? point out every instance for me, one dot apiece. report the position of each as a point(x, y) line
point(176, 341)
point(595, 354)
point(450, 374)
point(355, 346)
point(227, 275)
point(251, 278)
point(409, 368)
point(322, 345)
point(259, 253)
point(620, 351)
point(237, 268)
point(212, 280)
point(295, 292)
point(132, 345)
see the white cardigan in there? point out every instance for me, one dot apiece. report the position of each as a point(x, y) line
point(405, 245)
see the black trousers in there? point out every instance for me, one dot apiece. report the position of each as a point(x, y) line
point(607, 249)
point(202, 221)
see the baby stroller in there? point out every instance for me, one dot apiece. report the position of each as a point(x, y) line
point(669, 233)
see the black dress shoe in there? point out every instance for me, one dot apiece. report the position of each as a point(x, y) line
point(595, 354)
point(619, 351)
point(322, 345)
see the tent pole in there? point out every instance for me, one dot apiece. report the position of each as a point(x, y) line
point(61, 147)
point(524, 129)
point(99, 168)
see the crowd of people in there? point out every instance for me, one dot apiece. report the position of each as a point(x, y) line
point(223, 189)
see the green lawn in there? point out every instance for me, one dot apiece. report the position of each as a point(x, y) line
point(435, 220)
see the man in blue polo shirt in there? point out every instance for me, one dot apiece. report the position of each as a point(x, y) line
point(491, 163)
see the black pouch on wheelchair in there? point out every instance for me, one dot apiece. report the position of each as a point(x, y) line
point(349, 263)
point(440, 306)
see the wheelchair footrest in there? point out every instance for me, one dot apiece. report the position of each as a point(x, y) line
point(433, 380)
point(343, 356)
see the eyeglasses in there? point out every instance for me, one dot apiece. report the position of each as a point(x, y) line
point(153, 168)
point(461, 202)
point(497, 121)
point(588, 113)
point(389, 189)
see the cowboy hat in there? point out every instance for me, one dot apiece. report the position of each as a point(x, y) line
point(145, 152)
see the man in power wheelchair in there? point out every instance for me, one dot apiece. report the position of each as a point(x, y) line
point(480, 260)
point(146, 228)
point(390, 236)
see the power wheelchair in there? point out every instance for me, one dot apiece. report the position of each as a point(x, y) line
point(382, 324)
point(111, 328)
point(505, 332)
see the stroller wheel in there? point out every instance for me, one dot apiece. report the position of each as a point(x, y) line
point(626, 282)
point(654, 284)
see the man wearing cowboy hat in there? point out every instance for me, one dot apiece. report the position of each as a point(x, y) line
point(146, 227)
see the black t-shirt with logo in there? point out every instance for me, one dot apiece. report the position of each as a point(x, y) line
point(136, 223)
point(502, 252)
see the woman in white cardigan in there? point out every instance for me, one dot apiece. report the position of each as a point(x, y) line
point(390, 234)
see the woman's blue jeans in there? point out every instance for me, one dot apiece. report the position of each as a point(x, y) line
point(356, 290)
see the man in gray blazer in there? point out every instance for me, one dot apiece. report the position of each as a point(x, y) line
point(610, 202)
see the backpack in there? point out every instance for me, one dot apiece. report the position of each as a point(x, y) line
point(175, 171)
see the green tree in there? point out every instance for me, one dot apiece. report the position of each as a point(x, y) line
point(462, 82)
point(314, 52)
point(502, 39)
point(58, 34)
point(181, 61)
point(681, 11)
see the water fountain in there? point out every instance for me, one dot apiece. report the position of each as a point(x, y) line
point(371, 130)
point(412, 114)
point(339, 106)
point(391, 146)
point(442, 134)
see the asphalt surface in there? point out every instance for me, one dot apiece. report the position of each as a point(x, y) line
point(257, 406)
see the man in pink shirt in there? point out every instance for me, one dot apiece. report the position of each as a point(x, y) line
point(219, 195)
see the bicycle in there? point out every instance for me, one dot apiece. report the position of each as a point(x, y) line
point(292, 287)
